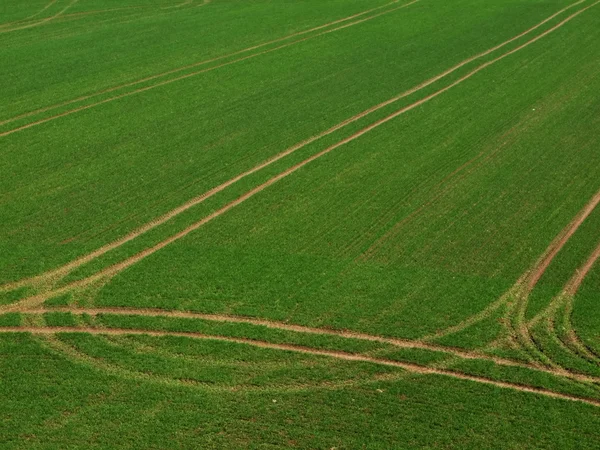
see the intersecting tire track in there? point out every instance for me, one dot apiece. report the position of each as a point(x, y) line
point(26, 19)
point(516, 320)
point(42, 21)
point(564, 301)
point(520, 291)
point(409, 367)
point(72, 353)
point(346, 334)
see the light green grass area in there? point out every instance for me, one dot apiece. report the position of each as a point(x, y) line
point(299, 224)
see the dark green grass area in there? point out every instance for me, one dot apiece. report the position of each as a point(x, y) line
point(8, 297)
point(60, 403)
point(60, 319)
point(133, 159)
point(10, 320)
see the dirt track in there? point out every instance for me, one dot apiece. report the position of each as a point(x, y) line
point(410, 367)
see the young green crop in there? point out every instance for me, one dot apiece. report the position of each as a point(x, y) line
point(421, 219)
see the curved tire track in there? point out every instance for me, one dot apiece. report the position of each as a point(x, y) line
point(409, 367)
point(346, 334)
point(41, 22)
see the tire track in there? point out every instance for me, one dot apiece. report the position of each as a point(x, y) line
point(41, 22)
point(575, 283)
point(570, 231)
point(565, 300)
point(101, 11)
point(123, 343)
point(186, 76)
point(515, 318)
point(346, 334)
point(409, 367)
point(4, 25)
point(200, 63)
point(187, 2)
point(44, 279)
point(179, 5)
point(519, 292)
point(193, 74)
point(569, 340)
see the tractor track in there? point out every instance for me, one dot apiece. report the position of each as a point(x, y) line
point(409, 367)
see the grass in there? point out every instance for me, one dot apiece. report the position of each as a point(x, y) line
point(146, 415)
point(409, 222)
point(586, 312)
point(127, 155)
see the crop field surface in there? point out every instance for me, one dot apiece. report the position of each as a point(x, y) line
point(307, 224)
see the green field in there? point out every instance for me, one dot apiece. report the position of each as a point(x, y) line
point(304, 224)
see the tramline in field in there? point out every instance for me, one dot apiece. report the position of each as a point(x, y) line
point(334, 224)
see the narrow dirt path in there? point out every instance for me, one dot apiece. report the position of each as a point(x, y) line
point(409, 367)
